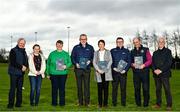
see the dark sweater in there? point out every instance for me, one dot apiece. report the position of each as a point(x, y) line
point(37, 62)
point(162, 59)
point(17, 58)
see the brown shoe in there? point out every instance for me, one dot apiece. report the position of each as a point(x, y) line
point(169, 108)
point(156, 106)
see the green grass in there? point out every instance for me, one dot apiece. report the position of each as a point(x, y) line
point(71, 94)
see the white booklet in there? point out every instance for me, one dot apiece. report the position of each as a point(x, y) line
point(121, 65)
point(138, 60)
point(59, 64)
point(103, 65)
point(83, 63)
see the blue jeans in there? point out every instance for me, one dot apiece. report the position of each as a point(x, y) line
point(58, 84)
point(35, 82)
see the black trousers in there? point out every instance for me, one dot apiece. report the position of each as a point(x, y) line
point(58, 85)
point(16, 83)
point(122, 80)
point(141, 79)
point(159, 82)
point(103, 91)
point(83, 85)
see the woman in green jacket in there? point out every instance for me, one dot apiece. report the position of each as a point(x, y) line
point(57, 69)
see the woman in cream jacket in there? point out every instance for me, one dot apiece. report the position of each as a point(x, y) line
point(37, 68)
point(102, 62)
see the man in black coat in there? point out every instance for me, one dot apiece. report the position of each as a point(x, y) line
point(18, 64)
point(161, 65)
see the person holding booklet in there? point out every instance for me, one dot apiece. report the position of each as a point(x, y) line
point(121, 63)
point(37, 66)
point(82, 56)
point(141, 61)
point(57, 69)
point(102, 62)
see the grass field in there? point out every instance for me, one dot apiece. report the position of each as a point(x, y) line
point(71, 95)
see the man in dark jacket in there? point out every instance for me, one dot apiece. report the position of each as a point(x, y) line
point(82, 56)
point(161, 65)
point(141, 60)
point(120, 77)
point(18, 64)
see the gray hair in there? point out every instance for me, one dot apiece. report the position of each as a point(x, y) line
point(21, 39)
point(161, 37)
point(137, 38)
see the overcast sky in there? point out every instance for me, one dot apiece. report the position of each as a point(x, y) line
point(99, 19)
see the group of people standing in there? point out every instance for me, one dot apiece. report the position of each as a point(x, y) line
point(110, 66)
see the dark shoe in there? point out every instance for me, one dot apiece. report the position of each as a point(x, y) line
point(169, 108)
point(54, 105)
point(123, 104)
point(114, 104)
point(32, 104)
point(9, 106)
point(18, 106)
point(156, 106)
point(61, 105)
point(105, 106)
point(138, 105)
point(36, 105)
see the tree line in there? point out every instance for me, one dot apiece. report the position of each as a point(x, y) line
point(148, 39)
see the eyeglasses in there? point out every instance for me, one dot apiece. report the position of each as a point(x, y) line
point(83, 39)
point(119, 41)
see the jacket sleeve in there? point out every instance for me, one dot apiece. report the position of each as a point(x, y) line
point(129, 61)
point(95, 61)
point(73, 56)
point(31, 65)
point(149, 59)
point(168, 62)
point(26, 60)
point(12, 59)
point(153, 63)
point(43, 65)
point(110, 60)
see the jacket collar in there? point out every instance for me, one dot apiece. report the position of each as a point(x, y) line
point(21, 49)
point(139, 48)
point(161, 49)
point(82, 45)
point(118, 48)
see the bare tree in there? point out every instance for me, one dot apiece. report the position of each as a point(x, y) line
point(138, 34)
point(166, 36)
point(174, 42)
point(154, 39)
point(130, 45)
point(145, 38)
point(178, 41)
